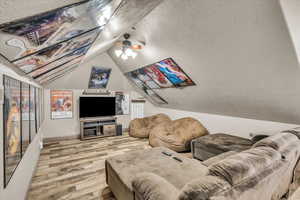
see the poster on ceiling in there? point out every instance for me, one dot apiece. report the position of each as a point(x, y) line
point(147, 91)
point(56, 55)
point(141, 75)
point(12, 126)
point(59, 70)
point(122, 103)
point(41, 43)
point(99, 78)
point(61, 104)
point(27, 36)
point(157, 76)
point(174, 73)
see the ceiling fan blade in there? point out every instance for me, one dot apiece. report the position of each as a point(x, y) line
point(119, 43)
point(136, 47)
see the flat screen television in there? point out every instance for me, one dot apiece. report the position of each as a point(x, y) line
point(97, 106)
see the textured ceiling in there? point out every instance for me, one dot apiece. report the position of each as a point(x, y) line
point(239, 53)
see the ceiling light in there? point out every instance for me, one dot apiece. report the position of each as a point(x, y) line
point(127, 49)
point(124, 56)
point(118, 52)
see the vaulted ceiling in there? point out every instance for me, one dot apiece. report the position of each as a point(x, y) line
point(239, 53)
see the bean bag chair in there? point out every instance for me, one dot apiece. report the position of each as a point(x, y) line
point(177, 135)
point(141, 127)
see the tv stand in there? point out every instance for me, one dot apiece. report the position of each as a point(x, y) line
point(97, 127)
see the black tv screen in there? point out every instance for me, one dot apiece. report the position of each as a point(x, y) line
point(97, 106)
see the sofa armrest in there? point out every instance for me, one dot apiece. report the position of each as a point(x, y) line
point(218, 158)
point(148, 186)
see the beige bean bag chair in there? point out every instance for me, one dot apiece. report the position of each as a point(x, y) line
point(177, 135)
point(141, 127)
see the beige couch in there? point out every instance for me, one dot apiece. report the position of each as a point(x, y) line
point(177, 135)
point(141, 127)
point(263, 172)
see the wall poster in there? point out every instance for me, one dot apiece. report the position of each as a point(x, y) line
point(32, 114)
point(61, 104)
point(99, 77)
point(122, 103)
point(19, 120)
point(25, 110)
point(12, 126)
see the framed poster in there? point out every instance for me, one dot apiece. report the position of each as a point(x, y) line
point(32, 115)
point(25, 110)
point(61, 104)
point(28, 36)
point(122, 103)
point(46, 41)
point(146, 90)
point(37, 108)
point(12, 126)
point(174, 73)
point(141, 75)
point(156, 98)
point(57, 54)
point(157, 76)
point(99, 77)
point(59, 69)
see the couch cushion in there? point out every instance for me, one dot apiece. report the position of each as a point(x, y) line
point(295, 131)
point(279, 141)
point(153, 187)
point(244, 165)
point(128, 165)
point(203, 188)
point(212, 145)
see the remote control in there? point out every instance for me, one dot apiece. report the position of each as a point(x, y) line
point(178, 159)
point(167, 154)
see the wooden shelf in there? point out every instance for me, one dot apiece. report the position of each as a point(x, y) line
point(91, 128)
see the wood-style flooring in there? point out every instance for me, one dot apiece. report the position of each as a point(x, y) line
point(75, 170)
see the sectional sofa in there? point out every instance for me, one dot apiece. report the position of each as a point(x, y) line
point(264, 172)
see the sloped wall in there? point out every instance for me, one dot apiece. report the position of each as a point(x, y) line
point(291, 13)
point(239, 53)
point(77, 81)
point(79, 78)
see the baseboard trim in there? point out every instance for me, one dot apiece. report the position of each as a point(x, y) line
point(56, 139)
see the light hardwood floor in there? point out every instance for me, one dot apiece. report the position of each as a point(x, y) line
point(74, 169)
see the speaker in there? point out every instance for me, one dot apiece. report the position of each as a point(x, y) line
point(119, 129)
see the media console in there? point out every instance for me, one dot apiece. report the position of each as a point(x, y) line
point(99, 127)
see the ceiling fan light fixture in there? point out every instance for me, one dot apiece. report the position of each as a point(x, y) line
point(124, 56)
point(127, 48)
point(118, 52)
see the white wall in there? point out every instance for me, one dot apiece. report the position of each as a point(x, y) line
point(69, 127)
point(77, 81)
point(20, 181)
point(224, 124)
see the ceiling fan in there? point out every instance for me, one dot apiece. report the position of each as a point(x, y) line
point(128, 48)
